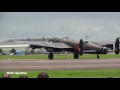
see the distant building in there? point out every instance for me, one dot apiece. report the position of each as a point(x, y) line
point(20, 46)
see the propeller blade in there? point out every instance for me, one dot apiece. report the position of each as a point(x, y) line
point(117, 46)
point(81, 47)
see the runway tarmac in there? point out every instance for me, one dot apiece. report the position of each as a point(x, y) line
point(24, 65)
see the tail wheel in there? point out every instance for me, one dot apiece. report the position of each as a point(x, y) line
point(97, 56)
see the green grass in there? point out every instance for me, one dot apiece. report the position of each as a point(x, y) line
point(57, 56)
point(92, 73)
point(95, 73)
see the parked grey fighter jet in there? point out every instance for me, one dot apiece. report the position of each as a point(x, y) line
point(78, 48)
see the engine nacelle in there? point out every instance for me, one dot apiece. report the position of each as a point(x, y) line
point(104, 50)
point(50, 50)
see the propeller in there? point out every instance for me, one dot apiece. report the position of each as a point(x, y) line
point(81, 47)
point(117, 46)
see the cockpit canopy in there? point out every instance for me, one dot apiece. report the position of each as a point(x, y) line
point(69, 39)
point(57, 38)
point(64, 38)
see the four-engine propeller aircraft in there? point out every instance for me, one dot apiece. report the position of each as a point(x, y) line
point(78, 48)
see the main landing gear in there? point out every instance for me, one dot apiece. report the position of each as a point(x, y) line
point(76, 55)
point(50, 55)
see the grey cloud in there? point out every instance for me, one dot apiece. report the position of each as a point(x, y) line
point(50, 24)
point(61, 14)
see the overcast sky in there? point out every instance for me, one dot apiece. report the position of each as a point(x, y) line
point(102, 25)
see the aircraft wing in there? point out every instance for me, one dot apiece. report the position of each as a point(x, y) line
point(50, 45)
point(41, 44)
point(85, 51)
point(89, 51)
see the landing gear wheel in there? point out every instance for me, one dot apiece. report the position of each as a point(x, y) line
point(50, 55)
point(76, 55)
